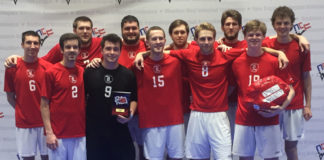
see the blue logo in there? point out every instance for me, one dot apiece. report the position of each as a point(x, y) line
point(320, 150)
point(320, 69)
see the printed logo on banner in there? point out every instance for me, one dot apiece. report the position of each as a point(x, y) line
point(44, 34)
point(15, 1)
point(301, 27)
point(192, 30)
point(98, 32)
point(320, 69)
point(320, 150)
point(119, 1)
point(143, 30)
point(68, 1)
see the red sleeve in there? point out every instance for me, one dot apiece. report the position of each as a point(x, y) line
point(47, 85)
point(234, 53)
point(9, 80)
point(307, 62)
point(54, 55)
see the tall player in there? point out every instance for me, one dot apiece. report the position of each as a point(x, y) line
point(108, 136)
point(179, 31)
point(256, 129)
point(159, 100)
point(90, 46)
point(23, 87)
point(299, 67)
point(63, 104)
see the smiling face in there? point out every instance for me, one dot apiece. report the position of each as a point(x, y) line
point(156, 41)
point(31, 46)
point(254, 38)
point(84, 31)
point(130, 32)
point(282, 26)
point(110, 52)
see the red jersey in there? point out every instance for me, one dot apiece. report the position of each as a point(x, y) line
point(159, 92)
point(246, 70)
point(64, 89)
point(86, 54)
point(128, 53)
point(233, 96)
point(207, 77)
point(186, 86)
point(25, 81)
point(298, 63)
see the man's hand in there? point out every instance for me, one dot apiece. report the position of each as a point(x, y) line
point(273, 111)
point(307, 113)
point(95, 63)
point(283, 60)
point(11, 61)
point(51, 141)
point(139, 60)
point(223, 47)
point(303, 44)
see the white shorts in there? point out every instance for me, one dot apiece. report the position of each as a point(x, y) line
point(159, 139)
point(208, 132)
point(69, 149)
point(28, 139)
point(292, 124)
point(266, 139)
point(135, 131)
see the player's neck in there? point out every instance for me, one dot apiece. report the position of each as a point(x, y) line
point(110, 65)
point(156, 56)
point(86, 45)
point(29, 59)
point(177, 47)
point(254, 51)
point(68, 63)
point(284, 39)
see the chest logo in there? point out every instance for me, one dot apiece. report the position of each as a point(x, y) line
point(84, 55)
point(157, 69)
point(254, 67)
point(131, 54)
point(108, 79)
point(30, 73)
point(73, 78)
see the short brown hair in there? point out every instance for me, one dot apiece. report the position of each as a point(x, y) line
point(69, 36)
point(177, 23)
point(233, 14)
point(83, 19)
point(283, 12)
point(204, 26)
point(255, 25)
point(151, 29)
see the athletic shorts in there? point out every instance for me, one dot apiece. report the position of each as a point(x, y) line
point(69, 149)
point(208, 132)
point(292, 124)
point(157, 140)
point(266, 139)
point(29, 139)
point(135, 131)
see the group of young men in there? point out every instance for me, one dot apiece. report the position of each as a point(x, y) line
point(75, 104)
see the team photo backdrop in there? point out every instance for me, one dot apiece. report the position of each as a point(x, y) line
point(52, 18)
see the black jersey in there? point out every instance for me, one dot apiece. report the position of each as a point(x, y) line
point(103, 131)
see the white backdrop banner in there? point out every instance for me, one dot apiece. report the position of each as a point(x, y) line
point(51, 18)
